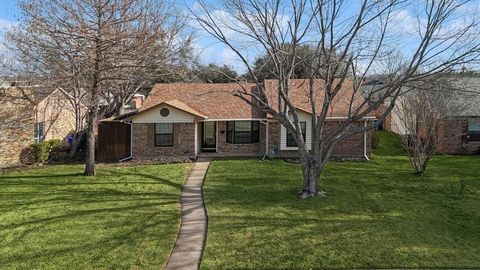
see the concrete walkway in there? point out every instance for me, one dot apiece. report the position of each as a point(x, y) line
point(188, 249)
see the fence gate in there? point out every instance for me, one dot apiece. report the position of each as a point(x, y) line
point(114, 141)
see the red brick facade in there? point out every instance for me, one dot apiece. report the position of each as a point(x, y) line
point(184, 143)
point(143, 142)
point(253, 148)
point(352, 147)
point(454, 138)
point(387, 122)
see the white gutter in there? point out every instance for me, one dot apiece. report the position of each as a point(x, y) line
point(131, 142)
point(266, 136)
point(265, 122)
point(271, 119)
point(216, 137)
point(365, 141)
point(234, 119)
point(344, 117)
point(196, 139)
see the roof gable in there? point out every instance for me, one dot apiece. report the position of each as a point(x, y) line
point(212, 100)
point(178, 105)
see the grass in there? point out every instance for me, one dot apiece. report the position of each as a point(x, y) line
point(389, 144)
point(56, 218)
point(377, 214)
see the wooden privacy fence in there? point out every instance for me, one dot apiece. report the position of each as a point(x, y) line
point(114, 141)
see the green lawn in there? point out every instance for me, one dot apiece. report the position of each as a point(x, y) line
point(377, 214)
point(56, 218)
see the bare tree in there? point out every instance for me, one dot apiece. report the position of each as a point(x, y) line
point(16, 109)
point(352, 40)
point(419, 115)
point(92, 48)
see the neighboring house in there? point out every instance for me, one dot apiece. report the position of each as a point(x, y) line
point(188, 119)
point(135, 103)
point(460, 131)
point(29, 115)
point(371, 92)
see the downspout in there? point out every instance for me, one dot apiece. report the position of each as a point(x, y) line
point(365, 140)
point(266, 138)
point(131, 142)
point(196, 138)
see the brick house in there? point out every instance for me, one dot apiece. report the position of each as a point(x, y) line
point(192, 119)
point(30, 115)
point(460, 131)
point(135, 103)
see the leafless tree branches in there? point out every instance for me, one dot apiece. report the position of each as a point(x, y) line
point(420, 113)
point(98, 51)
point(352, 40)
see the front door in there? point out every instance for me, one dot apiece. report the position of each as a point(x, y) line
point(209, 136)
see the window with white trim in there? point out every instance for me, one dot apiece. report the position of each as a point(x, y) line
point(38, 130)
point(163, 134)
point(291, 138)
point(243, 132)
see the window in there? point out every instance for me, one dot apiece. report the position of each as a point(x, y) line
point(38, 132)
point(291, 138)
point(164, 112)
point(164, 134)
point(243, 132)
point(474, 130)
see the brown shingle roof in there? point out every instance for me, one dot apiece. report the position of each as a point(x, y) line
point(298, 93)
point(216, 101)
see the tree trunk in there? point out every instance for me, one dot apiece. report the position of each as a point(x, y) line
point(78, 128)
point(120, 108)
point(90, 153)
point(311, 178)
point(93, 112)
point(419, 163)
point(74, 146)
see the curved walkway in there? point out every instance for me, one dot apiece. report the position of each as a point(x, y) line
point(188, 248)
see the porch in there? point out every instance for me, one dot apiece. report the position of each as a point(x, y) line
point(231, 137)
point(225, 154)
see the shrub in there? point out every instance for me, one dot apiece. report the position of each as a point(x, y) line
point(54, 143)
point(41, 151)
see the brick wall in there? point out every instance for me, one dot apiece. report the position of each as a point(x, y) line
point(253, 148)
point(387, 122)
point(454, 138)
point(144, 142)
point(58, 116)
point(16, 128)
point(184, 144)
point(350, 147)
point(13, 141)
